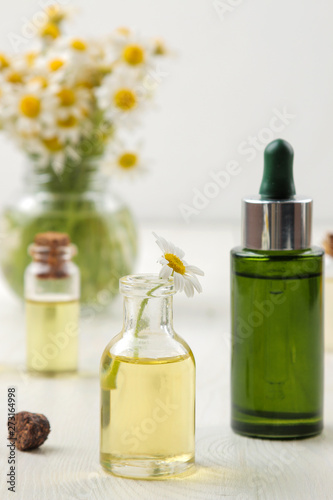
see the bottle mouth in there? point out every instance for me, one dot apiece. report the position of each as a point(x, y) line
point(146, 285)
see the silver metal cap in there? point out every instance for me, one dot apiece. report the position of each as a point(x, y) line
point(277, 225)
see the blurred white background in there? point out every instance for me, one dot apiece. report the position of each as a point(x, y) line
point(238, 66)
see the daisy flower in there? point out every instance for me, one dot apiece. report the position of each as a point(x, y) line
point(67, 129)
point(124, 161)
point(132, 50)
point(120, 95)
point(28, 110)
point(54, 64)
point(173, 264)
point(70, 95)
point(72, 101)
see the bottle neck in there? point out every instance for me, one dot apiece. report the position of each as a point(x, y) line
point(146, 314)
point(52, 261)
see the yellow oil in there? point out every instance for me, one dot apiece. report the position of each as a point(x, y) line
point(147, 416)
point(328, 314)
point(52, 336)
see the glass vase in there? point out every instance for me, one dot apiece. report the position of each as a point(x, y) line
point(147, 378)
point(80, 203)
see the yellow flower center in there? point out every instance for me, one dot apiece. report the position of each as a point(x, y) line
point(127, 160)
point(71, 121)
point(4, 63)
point(30, 58)
point(125, 99)
point(14, 77)
point(30, 106)
point(53, 144)
point(66, 96)
point(39, 80)
point(175, 263)
point(50, 30)
point(78, 44)
point(55, 64)
point(133, 54)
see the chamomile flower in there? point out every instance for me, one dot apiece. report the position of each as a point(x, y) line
point(29, 110)
point(72, 101)
point(70, 96)
point(120, 95)
point(124, 161)
point(136, 53)
point(14, 71)
point(132, 50)
point(53, 65)
point(173, 264)
point(68, 129)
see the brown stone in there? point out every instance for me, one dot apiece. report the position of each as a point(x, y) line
point(31, 430)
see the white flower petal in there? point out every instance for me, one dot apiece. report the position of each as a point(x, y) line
point(165, 272)
point(179, 252)
point(179, 282)
point(194, 280)
point(188, 288)
point(162, 243)
point(195, 270)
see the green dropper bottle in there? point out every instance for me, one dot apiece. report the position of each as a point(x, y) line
point(276, 310)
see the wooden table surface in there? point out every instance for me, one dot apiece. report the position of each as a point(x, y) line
point(67, 466)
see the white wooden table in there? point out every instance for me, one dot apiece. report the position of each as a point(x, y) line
point(67, 465)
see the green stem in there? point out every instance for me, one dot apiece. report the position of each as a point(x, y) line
point(142, 308)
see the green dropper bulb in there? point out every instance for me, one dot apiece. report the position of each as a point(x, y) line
point(278, 180)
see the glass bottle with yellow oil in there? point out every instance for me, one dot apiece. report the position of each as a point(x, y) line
point(52, 291)
point(147, 387)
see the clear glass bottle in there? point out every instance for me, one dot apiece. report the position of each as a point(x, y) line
point(52, 291)
point(328, 315)
point(147, 377)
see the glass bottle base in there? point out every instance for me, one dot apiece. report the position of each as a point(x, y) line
point(298, 427)
point(146, 468)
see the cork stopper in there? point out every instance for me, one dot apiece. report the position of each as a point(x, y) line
point(52, 239)
point(328, 244)
point(53, 250)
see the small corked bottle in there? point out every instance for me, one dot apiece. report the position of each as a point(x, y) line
point(52, 292)
point(328, 246)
